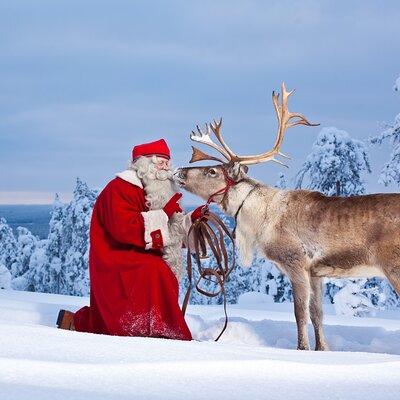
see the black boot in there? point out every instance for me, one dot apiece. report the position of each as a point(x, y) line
point(65, 320)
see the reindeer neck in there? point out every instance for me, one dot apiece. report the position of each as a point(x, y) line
point(237, 195)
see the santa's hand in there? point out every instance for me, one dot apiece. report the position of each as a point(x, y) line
point(173, 206)
point(198, 213)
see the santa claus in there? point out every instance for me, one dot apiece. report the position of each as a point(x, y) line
point(135, 258)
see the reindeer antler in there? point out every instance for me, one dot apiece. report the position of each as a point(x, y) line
point(285, 118)
point(204, 137)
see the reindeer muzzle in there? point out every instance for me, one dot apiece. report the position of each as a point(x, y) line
point(180, 176)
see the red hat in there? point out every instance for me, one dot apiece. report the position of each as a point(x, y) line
point(158, 148)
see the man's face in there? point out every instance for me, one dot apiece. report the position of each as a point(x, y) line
point(162, 163)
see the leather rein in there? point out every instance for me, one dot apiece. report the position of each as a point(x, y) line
point(209, 231)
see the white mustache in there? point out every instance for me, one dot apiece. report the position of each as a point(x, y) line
point(163, 174)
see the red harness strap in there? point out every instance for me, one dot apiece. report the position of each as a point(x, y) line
point(229, 183)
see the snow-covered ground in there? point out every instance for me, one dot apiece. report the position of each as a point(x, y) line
point(254, 359)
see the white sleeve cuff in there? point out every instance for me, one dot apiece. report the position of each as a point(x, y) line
point(155, 220)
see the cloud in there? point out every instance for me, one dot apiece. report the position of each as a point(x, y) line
point(80, 83)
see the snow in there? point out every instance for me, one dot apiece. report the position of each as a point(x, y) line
point(254, 359)
point(350, 299)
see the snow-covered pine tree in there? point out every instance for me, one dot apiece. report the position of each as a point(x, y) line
point(21, 256)
point(26, 246)
point(58, 264)
point(336, 164)
point(335, 167)
point(390, 172)
point(8, 246)
point(48, 276)
point(37, 263)
point(75, 241)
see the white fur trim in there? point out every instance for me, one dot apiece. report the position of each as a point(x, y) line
point(130, 176)
point(154, 220)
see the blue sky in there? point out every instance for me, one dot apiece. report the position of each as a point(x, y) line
point(82, 82)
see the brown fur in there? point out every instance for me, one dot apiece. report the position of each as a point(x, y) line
point(308, 235)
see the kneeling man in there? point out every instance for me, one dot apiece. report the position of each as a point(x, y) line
point(135, 258)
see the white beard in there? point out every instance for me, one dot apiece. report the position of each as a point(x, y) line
point(159, 188)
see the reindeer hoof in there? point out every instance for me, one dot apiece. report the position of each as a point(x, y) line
point(321, 347)
point(303, 347)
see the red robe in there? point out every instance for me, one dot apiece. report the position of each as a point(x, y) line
point(133, 292)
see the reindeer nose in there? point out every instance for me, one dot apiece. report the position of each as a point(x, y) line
point(181, 173)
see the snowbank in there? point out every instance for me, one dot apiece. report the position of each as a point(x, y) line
point(255, 358)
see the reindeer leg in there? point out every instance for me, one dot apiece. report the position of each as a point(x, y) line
point(316, 313)
point(301, 295)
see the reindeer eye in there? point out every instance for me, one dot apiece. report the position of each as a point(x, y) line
point(212, 172)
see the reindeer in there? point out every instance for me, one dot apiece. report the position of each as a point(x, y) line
point(308, 235)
